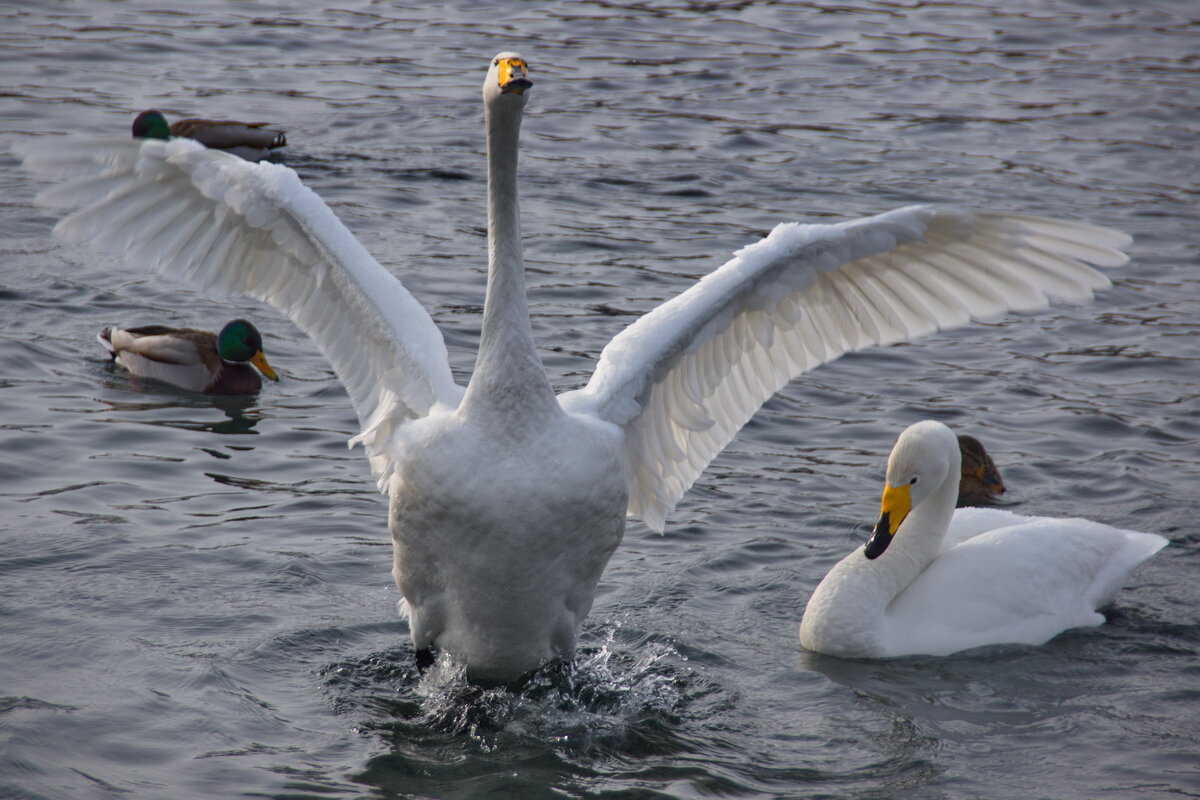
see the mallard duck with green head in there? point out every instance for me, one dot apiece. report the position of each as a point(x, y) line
point(253, 141)
point(192, 359)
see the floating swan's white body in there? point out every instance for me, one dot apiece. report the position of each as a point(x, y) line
point(935, 581)
point(507, 501)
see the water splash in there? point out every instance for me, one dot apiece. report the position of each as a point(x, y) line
point(597, 699)
point(605, 697)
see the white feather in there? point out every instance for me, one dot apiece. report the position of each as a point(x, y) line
point(242, 228)
point(881, 279)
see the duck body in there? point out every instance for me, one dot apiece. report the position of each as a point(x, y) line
point(949, 580)
point(191, 359)
point(507, 499)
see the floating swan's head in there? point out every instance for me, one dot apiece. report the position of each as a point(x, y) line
point(507, 76)
point(925, 456)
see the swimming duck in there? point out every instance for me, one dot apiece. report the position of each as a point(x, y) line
point(252, 141)
point(193, 359)
point(980, 483)
point(506, 501)
point(934, 581)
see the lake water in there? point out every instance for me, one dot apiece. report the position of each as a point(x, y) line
point(195, 598)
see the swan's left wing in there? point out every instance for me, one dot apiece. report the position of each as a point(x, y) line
point(255, 229)
point(684, 378)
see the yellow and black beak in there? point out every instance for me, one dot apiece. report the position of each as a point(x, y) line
point(511, 75)
point(894, 507)
point(259, 360)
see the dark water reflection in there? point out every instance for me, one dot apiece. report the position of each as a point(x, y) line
point(195, 598)
point(240, 417)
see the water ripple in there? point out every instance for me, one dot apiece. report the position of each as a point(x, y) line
point(195, 597)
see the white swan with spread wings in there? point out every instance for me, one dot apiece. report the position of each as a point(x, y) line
point(507, 501)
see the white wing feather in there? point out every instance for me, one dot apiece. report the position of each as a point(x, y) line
point(255, 229)
point(684, 378)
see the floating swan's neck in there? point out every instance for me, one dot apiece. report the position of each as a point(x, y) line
point(509, 376)
point(926, 526)
point(848, 612)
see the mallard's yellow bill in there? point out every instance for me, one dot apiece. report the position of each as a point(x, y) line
point(259, 360)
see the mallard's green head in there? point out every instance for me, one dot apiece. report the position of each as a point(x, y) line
point(151, 125)
point(240, 342)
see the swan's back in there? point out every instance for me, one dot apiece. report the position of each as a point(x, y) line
point(1003, 578)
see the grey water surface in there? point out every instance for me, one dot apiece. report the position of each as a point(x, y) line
point(195, 598)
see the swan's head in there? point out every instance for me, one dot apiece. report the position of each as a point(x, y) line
point(923, 459)
point(507, 78)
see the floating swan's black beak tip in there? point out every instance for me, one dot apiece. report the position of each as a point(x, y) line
point(881, 537)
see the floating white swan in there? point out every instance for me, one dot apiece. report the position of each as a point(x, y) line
point(506, 501)
point(934, 581)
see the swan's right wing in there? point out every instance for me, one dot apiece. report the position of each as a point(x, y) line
point(256, 230)
point(684, 378)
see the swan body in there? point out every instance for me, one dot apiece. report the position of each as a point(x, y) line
point(193, 359)
point(506, 500)
point(479, 580)
point(935, 581)
point(252, 141)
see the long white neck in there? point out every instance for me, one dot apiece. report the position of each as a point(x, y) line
point(847, 614)
point(926, 525)
point(509, 377)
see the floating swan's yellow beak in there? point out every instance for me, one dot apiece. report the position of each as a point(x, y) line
point(259, 360)
point(894, 507)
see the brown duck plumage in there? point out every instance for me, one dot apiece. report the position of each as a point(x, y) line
point(981, 484)
point(224, 134)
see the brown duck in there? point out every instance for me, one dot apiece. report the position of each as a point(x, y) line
point(981, 484)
